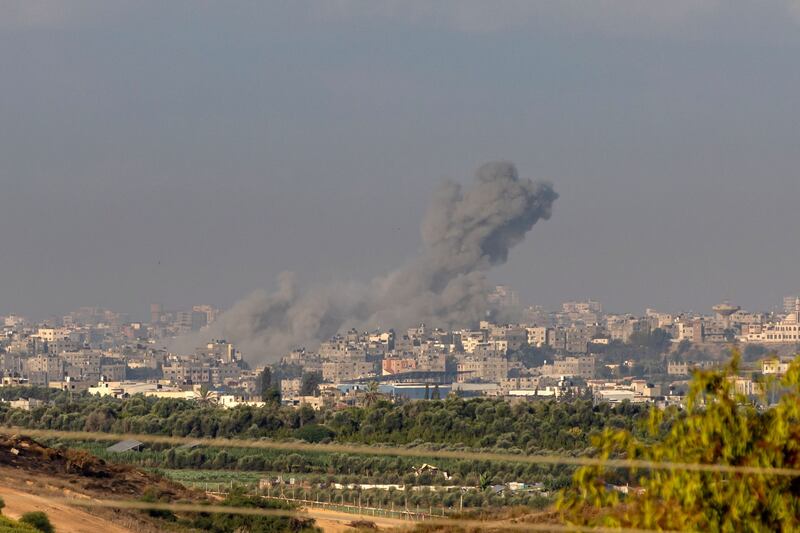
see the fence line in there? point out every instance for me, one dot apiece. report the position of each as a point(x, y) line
point(549, 459)
point(507, 525)
point(355, 508)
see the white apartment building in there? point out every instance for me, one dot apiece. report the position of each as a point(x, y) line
point(774, 366)
point(787, 331)
point(51, 334)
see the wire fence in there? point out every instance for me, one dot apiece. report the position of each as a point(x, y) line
point(312, 499)
point(482, 525)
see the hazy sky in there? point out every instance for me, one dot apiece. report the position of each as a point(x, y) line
point(188, 152)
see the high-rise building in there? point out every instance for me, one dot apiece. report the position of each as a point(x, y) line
point(156, 310)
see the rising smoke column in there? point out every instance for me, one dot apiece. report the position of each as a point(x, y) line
point(465, 232)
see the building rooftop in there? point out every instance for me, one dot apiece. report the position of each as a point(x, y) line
point(125, 446)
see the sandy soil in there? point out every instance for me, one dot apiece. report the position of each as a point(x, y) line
point(66, 519)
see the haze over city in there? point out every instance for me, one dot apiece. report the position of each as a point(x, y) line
point(399, 266)
point(189, 152)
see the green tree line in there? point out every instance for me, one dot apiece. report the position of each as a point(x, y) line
point(479, 422)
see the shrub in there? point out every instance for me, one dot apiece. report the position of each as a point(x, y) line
point(38, 520)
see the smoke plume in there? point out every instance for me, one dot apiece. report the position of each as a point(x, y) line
point(465, 232)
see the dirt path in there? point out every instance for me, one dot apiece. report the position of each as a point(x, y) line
point(66, 519)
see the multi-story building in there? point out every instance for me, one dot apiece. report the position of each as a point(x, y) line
point(190, 320)
point(291, 387)
point(691, 330)
point(622, 328)
point(774, 365)
point(509, 339)
point(557, 339)
point(583, 367)
point(579, 336)
point(431, 360)
point(470, 340)
point(519, 383)
point(182, 372)
point(483, 368)
point(582, 308)
point(587, 312)
point(398, 365)
point(225, 374)
point(218, 350)
point(83, 365)
point(51, 334)
point(113, 371)
point(340, 370)
point(43, 369)
point(787, 331)
point(537, 336)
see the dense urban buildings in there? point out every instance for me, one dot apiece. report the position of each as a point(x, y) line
point(580, 348)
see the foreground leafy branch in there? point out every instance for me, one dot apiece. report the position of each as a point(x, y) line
point(718, 426)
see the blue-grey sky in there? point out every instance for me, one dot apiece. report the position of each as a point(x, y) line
point(187, 152)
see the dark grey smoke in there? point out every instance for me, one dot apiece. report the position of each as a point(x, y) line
point(465, 232)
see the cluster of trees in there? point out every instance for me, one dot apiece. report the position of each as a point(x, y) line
point(479, 422)
point(156, 416)
point(484, 423)
point(321, 468)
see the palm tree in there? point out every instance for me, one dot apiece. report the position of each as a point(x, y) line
point(206, 396)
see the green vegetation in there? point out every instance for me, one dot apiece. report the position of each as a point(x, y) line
point(38, 520)
point(243, 466)
point(453, 423)
point(12, 526)
point(230, 523)
point(479, 422)
point(307, 487)
point(270, 392)
point(718, 426)
point(309, 383)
